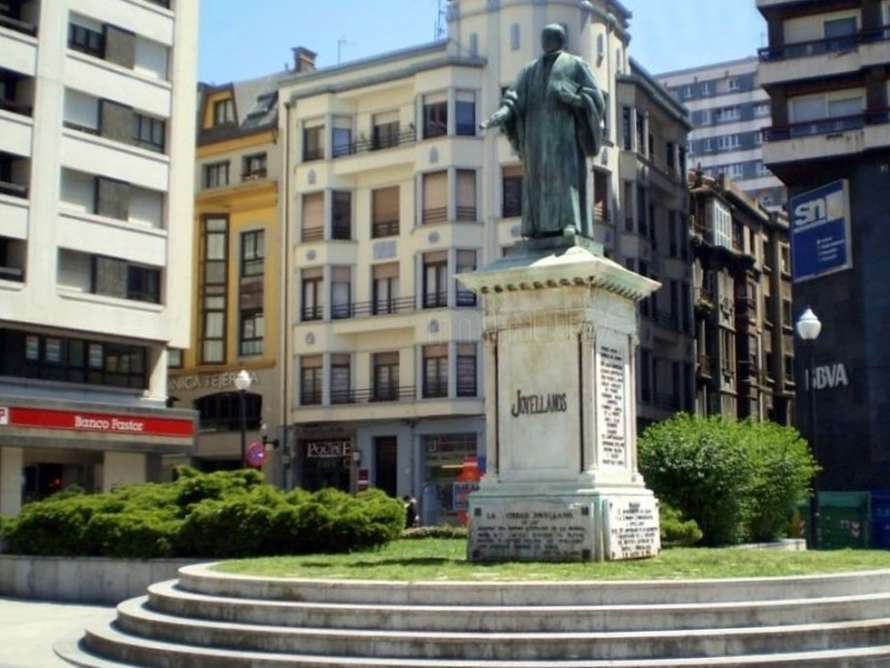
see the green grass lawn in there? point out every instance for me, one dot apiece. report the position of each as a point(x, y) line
point(441, 559)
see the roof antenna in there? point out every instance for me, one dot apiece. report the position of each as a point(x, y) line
point(340, 44)
point(439, 30)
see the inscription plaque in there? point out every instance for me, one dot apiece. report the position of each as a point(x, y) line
point(632, 527)
point(612, 389)
point(531, 531)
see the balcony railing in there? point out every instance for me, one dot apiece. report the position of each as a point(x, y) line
point(435, 300)
point(310, 313)
point(81, 128)
point(310, 154)
point(13, 189)
point(16, 108)
point(310, 398)
point(312, 234)
point(381, 143)
point(826, 126)
point(341, 231)
point(820, 47)
point(254, 175)
point(467, 214)
point(382, 394)
point(382, 307)
point(433, 389)
point(18, 25)
point(438, 215)
point(384, 228)
point(12, 274)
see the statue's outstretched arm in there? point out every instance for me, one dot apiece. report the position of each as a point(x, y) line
point(499, 118)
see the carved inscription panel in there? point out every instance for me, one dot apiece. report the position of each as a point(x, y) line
point(612, 388)
point(529, 531)
point(632, 530)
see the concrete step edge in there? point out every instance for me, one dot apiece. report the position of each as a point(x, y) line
point(136, 609)
point(163, 653)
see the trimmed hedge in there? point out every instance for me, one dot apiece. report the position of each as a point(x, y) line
point(216, 515)
point(437, 531)
point(739, 481)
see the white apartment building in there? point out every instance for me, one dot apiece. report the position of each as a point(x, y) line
point(729, 110)
point(391, 191)
point(97, 122)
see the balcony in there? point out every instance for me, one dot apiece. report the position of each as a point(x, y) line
point(19, 25)
point(380, 143)
point(311, 313)
point(434, 216)
point(14, 175)
point(374, 395)
point(435, 300)
point(745, 308)
point(370, 309)
point(833, 137)
point(384, 228)
point(823, 57)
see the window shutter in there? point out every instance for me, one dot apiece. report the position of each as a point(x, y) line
point(466, 188)
point(435, 191)
point(390, 270)
point(386, 205)
point(313, 212)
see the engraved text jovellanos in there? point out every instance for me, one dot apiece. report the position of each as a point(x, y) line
point(560, 331)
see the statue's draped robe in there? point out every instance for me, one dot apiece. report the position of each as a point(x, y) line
point(554, 140)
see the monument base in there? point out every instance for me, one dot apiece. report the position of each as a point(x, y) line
point(585, 525)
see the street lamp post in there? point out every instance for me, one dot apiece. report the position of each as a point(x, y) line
point(243, 383)
point(808, 329)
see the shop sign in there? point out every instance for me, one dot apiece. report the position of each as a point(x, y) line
point(217, 381)
point(820, 231)
point(828, 377)
point(461, 494)
point(106, 423)
point(327, 449)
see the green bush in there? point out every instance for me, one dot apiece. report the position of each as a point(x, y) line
point(437, 531)
point(676, 531)
point(216, 515)
point(739, 481)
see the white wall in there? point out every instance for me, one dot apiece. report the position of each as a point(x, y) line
point(122, 468)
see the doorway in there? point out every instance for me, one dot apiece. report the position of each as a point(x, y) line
point(386, 469)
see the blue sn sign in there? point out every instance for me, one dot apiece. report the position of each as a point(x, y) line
point(820, 231)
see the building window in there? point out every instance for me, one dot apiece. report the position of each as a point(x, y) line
point(435, 115)
point(310, 380)
point(435, 277)
point(341, 215)
point(641, 212)
point(341, 293)
point(313, 306)
point(762, 109)
point(341, 139)
point(254, 167)
point(385, 289)
point(174, 358)
point(341, 381)
point(466, 370)
point(466, 262)
point(435, 371)
point(628, 206)
point(223, 112)
point(465, 113)
point(641, 134)
point(386, 376)
point(313, 217)
point(435, 197)
point(727, 114)
point(149, 132)
point(785, 258)
point(514, 37)
point(86, 40)
point(386, 130)
point(313, 143)
point(385, 212)
point(222, 411)
point(252, 252)
point(670, 157)
point(627, 128)
point(251, 333)
point(511, 188)
point(216, 174)
point(25, 355)
point(732, 84)
point(214, 250)
point(466, 195)
point(673, 233)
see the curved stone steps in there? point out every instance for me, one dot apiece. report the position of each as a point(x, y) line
point(136, 619)
point(201, 579)
point(168, 598)
point(121, 650)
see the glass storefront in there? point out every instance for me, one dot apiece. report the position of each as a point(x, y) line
point(326, 463)
point(443, 459)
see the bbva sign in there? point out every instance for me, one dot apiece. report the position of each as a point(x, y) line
point(830, 376)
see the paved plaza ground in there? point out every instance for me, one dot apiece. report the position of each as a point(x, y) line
point(28, 630)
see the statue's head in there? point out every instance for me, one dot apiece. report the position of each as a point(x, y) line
point(553, 38)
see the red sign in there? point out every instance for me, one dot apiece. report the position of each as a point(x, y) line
point(256, 455)
point(103, 423)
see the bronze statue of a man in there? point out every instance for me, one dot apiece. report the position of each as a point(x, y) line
point(553, 118)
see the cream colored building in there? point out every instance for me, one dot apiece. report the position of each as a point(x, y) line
point(96, 158)
point(391, 191)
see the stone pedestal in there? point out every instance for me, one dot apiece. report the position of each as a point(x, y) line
point(562, 482)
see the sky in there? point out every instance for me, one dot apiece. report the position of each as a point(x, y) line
point(242, 40)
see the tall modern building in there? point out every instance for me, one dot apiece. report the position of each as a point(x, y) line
point(390, 191)
point(96, 160)
point(729, 109)
point(826, 71)
point(743, 310)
